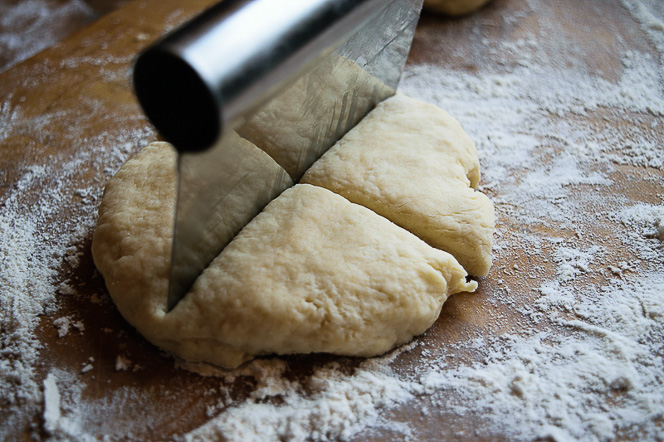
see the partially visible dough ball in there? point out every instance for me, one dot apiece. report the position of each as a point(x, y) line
point(454, 7)
point(311, 273)
point(412, 163)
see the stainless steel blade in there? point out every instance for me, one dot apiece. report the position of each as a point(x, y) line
point(335, 68)
point(220, 189)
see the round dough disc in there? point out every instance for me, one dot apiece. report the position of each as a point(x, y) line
point(313, 272)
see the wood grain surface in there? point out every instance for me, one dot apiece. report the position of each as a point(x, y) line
point(73, 104)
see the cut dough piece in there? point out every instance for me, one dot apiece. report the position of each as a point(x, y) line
point(311, 273)
point(294, 127)
point(454, 7)
point(412, 163)
point(238, 180)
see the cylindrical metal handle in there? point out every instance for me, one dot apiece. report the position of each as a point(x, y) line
point(207, 75)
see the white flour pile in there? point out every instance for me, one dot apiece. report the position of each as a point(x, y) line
point(330, 404)
point(584, 358)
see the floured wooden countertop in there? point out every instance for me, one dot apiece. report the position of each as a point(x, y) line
point(564, 338)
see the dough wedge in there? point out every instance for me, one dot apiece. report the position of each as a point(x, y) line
point(412, 163)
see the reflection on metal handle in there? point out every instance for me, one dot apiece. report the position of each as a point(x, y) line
point(204, 77)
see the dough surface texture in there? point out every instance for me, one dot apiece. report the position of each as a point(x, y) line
point(454, 7)
point(412, 163)
point(312, 273)
point(308, 113)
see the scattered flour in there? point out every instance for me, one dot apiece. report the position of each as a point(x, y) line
point(584, 360)
point(51, 403)
point(28, 26)
point(63, 323)
point(28, 271)
point(122, 363)
point(32, 25)
point(648, 218)
point(35, 259)
point(603, 372)
point(644, 227)
point(572, 262)
point(62, 391)
point(329, 405)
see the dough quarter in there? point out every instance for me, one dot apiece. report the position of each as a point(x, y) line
point(412, 163)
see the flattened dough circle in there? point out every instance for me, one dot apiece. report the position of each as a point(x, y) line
point(312, 273)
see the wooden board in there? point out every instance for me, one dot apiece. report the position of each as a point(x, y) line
point(72, 106)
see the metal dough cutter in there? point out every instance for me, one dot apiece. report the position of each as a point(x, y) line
point(251, 93)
